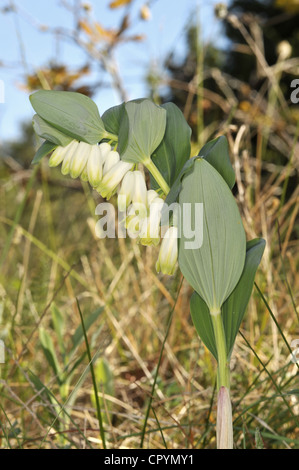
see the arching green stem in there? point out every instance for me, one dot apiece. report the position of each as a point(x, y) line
point(112, 137)
point(157, 175)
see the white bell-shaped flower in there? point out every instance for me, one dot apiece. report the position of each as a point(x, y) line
point(150, 229)
point(151, 196)
point(168, 253)
point(113, 177)
point(94, 167)
point(73, 147)
point(139, 191)
point(84, 174)
point(105, 149)
point(59, 154)
point(133, 189)
point(111, 158)
point(124, 197)
point(137, 214)
point(79, 159)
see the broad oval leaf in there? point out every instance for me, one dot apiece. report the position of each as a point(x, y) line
point(72, 113)
point(141, 131)
point(48, 132)
point(217, 154)
point(234, 308)
point(174, 150)
point(214, 268)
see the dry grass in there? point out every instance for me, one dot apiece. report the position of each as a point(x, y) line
point(51, 257)
point(54, 258)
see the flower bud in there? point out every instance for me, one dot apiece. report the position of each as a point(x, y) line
point(168, 254)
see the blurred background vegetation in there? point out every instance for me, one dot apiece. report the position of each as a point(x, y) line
point(52, 266)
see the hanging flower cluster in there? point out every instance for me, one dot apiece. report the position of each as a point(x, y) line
point(102, 167)
point(98, 164)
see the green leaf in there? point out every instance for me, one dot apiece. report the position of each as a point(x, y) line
point(79, 333)
point(177, 185)
point(202, 321)
point(43, 150)
point(112, 118)
point(216, 152)
point(72, 113)
point(235, 306)
point(174, 150)
point(49, 133)
point(175, 189)
point(49, 351)
point(214, 266)
point(141, 131)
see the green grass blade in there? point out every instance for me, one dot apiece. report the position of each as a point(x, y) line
point(160, 428)
point(49, 352)
point(275, 321)
point(94, 382)
point(274, 382)
point(79, 333)
point(19, 213)
point(143, 432)
point(44, 389)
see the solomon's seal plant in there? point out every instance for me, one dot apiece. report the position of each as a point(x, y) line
point(187, 207)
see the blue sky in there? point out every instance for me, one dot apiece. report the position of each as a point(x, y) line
point(23, 47)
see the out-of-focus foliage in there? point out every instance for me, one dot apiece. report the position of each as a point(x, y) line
point(59, 77)
point(291, 6)
point(268, 25)
point(97, 41)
